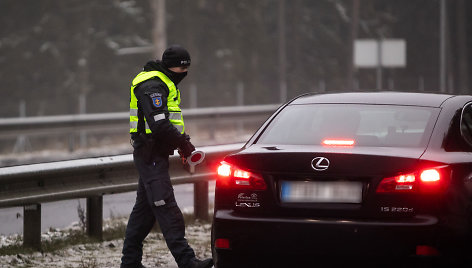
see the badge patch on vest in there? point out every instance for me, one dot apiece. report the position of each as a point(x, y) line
point(157, 101)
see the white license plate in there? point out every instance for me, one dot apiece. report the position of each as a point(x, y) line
point(321, 192)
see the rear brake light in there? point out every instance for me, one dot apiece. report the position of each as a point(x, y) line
point(430, 175)
point(400, 183)
point(428, 180)
point(222, 243)
point(224, 170)
point(232, 176)
point(338, 142)
point(422, 250)
point(405, 178)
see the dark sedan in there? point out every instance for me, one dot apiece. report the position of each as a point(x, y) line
point(381, 175)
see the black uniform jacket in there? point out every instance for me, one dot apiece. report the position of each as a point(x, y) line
point(165, 138)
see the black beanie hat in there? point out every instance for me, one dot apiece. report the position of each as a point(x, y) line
point(175, 56)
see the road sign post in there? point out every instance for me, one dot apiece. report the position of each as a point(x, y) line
point(379, 53)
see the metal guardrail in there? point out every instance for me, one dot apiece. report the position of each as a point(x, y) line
point(31, 185)
point(12, 127)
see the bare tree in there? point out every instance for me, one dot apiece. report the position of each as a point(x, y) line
point(282, 53)
point(353, 36)
point(159, 34)
point(462, 55)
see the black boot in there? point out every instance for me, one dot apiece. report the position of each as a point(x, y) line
point(195, 263)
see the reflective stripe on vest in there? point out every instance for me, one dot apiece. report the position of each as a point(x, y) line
point(173, 101)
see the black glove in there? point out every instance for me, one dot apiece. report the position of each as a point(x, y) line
point(186, 149)
point(187, 137)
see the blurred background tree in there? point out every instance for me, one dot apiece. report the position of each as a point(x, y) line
point(66, 57)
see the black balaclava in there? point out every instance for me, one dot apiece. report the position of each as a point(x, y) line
point(176, 56)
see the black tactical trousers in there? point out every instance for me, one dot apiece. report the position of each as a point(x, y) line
point(154, 201)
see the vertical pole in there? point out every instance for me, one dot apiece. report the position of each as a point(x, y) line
point(442, 47)
point(95, 217)
point(82, 110)
point(240, 102)
point(22, 143)
point(462, 81)
point(391, 84)
point(321, 86)
point(421, 83)
point(32, 226)
point(379, 64)
point(212, 130)
point(71, 142)
point(200, 200)
point(282, 53)
point(450, 84)
point(354, 28)
point(159, 33)
point(22, 108)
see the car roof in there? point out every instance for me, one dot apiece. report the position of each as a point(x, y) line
point(384, 97)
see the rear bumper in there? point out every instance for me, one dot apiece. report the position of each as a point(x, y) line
point(251, 236)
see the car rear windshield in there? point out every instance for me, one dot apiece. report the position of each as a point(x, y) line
point(357, 124)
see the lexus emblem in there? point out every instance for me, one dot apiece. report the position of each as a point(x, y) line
point(320, 163)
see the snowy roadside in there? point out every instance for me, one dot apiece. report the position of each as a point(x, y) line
point(107, 253)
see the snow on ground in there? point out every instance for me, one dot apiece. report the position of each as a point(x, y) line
point(105, 254)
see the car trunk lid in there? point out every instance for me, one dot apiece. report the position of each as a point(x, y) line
point(366, 161)
point(328, 182)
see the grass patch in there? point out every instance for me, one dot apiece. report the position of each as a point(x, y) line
point(66, 239)
point(14, 250)
point(72, 238)
point(115, 229)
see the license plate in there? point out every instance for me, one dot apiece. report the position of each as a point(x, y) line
point(321, 192)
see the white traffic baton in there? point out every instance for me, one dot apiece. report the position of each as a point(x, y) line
point(194, 159)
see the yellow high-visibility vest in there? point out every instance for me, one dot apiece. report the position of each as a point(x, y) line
point(173, 101)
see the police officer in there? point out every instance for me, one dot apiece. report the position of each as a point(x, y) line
point(157, 129)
